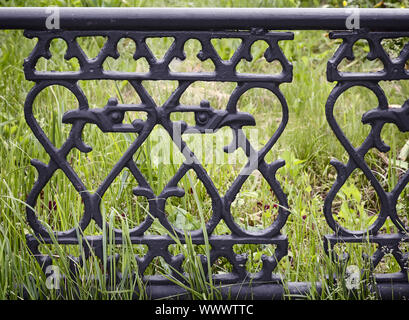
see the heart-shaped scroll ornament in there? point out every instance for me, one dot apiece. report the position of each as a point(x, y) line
point(209, 120)
point(377, 118)
point(109, 119)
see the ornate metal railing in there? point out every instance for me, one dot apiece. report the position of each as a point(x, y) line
point(249, 25)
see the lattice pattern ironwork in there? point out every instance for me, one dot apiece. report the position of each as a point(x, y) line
point(394, 69)
point(110, 119)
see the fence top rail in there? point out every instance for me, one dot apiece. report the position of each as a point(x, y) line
point(203, 18)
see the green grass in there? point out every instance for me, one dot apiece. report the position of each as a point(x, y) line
point(307, 145)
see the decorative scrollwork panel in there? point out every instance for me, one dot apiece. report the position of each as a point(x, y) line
point(208, 119)
point(383, 113)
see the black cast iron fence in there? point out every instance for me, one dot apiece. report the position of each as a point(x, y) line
point(249, 25)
